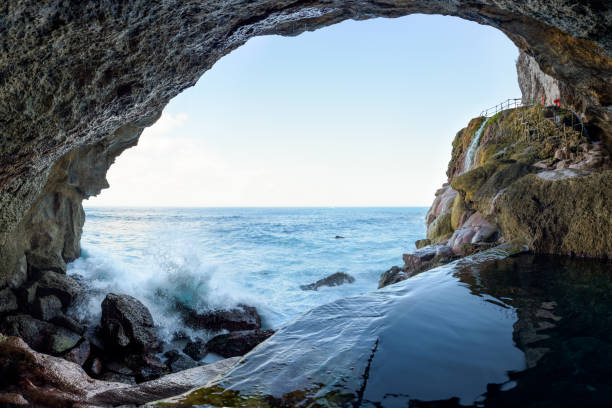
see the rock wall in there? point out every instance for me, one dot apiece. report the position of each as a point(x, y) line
point(80, 80)
point(538, 179)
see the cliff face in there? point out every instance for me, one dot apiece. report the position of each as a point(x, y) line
point(80, 80)
point(530, 175)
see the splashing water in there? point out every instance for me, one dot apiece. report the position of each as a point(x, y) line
point(216, 258)
point(471, 151)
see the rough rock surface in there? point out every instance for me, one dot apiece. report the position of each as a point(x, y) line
point(242, 317)
point(237, 343)
point(195, 349)
point(51, 381)
point(127, 323)
point(80, 81)
point(335, 279)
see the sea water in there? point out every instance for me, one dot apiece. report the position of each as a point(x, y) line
point(216, 258)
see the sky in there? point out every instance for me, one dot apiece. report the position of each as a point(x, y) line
point(356, 114)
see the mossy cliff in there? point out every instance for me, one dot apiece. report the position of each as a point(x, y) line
point(536, 177)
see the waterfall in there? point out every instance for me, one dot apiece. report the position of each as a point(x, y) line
point(471, 151)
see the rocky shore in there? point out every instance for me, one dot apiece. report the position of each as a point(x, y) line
point(80, 82)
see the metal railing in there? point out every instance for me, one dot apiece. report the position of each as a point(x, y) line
point(507, 104)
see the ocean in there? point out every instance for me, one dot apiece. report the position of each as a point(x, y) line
point(216, 258)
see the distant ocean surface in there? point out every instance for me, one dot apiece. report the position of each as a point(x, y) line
point(211, 258)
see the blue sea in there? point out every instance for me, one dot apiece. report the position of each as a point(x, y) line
point(215, 258)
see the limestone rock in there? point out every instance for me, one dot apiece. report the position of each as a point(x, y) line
point(237, 343)
point(561, 212)
point(127, 322)
point(335, 279)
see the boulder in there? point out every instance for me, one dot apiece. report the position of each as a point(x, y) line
point(146, 366)
point(475, 230)
point(335, 279)
point(79, 354)
point(418, 261)
point(8, 301)
point(11, 399)
point(237, 343)
point(127, 323)
point(393, 275)
point(40, 335)
point(58, 284)
point(178, 362)
point(47, 307)
point(240, 318)
point(420, 243)
point(196, 349)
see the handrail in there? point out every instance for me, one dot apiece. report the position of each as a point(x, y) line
point(507, 104)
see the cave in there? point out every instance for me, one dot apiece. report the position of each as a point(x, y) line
point(80, 81)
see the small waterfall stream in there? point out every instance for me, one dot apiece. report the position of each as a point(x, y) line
point(471, 151)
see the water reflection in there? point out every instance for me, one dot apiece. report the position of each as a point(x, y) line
point(524, 331)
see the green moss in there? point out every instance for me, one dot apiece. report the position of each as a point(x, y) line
point(570, 216)
point(457, 211)
point(420, 243)
point(440, 228)
point(469, 182)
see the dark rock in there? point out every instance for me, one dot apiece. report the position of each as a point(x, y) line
point(146, 367)
point(420, 243)
point(10, 400)
point(178, 362)
point(237, 343)
point(119, 367)
point(335, 279)
point(127, 322)
point(95, 337)
point(8, 301)
point(40, 335)
point(339, 237)
point(240, 318)
point(69, 323)
point(79, 354)
point(393, 275)
point(96, 367)
point(196, 349)
point(470, 249)
point(418, 261)
point(47, 307)
point(60, 285)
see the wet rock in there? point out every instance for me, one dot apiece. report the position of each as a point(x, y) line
point(40, 335)
point(126, 322)
point(8, 301)
point(47, 307)
point(178, 362)
point(242, 317)
point(418, 261)
point(339, 237)
point(57, 284)
point(146, 367)
point(237, 343)
point(79, 354)
point(393, 275)
point(420, 243)
point(196, 349)
point(335, 279)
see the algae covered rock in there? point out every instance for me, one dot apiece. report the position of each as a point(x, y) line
point(560, 212)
